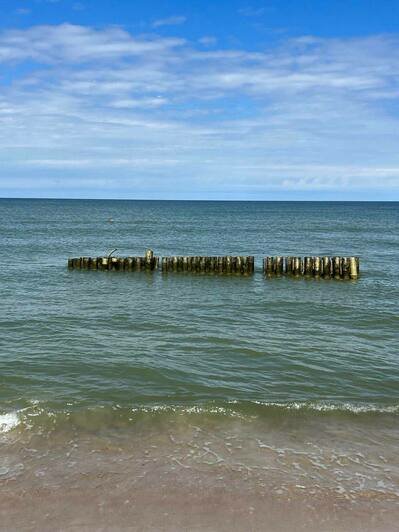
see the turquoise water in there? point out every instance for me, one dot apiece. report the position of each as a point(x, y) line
point(76, 339)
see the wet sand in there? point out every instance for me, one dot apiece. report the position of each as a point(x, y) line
point(206, 475)
point(103, 502)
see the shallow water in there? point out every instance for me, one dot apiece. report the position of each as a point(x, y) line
point(302, 373)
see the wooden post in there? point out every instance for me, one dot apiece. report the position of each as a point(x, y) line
point(113, 264)
point(104, 263)
point(238, 265)
point(174, 263)
point(345, 267)
point(128, 264)
point(149, 259)
point(326, 267)
point(308, 266)
point(220, 265)
point(77, 263)
point(288, 264)
point(353, 268)
point(268, 265)
point(336, 264)
point(278, 265)
point(250, 264)
point(228, 264)
point(244, 269)
point(185, 264)
point(93, 263)
point(296, 266)
point(316, 266)
point(70, 264)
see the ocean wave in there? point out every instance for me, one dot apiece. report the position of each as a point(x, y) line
point(353, 408)
point(41, 416)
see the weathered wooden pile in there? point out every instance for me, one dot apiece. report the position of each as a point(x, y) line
point(323, 267)
point(327, 267)
point(201, 264)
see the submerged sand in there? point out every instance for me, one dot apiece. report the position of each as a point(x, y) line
point(176, 472)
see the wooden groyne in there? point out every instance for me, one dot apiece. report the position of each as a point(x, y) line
point(202, 264)
point(199, 264)
point(326, 267)
point(130, 264)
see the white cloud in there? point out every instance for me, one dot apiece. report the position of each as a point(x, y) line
point(22, 11)
point(141, 103)
point(252, 11)
point(310, 114)
point(169, 21)
point(77, 44)
point(208, 41)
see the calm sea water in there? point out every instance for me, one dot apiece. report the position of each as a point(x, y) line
point(73, 339)
point(98, 349)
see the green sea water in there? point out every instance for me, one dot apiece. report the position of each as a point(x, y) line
point(72, 341)
point(198, 402)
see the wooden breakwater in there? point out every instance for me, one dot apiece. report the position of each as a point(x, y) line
point(202, 264)
point(199, 264)
point(326, 267)
point(147, 263)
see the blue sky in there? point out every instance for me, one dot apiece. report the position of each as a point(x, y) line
point(289, 99)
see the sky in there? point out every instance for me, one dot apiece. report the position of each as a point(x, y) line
point(200, 99)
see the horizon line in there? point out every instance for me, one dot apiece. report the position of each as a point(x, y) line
point(206, 200)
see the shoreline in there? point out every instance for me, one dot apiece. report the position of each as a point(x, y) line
point(194, 471)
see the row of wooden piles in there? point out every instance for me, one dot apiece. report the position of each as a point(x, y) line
point(228, 264)
point(129, 264)
point(238, 265)
point(337, 267)
point(327, 267)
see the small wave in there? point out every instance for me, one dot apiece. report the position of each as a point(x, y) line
point(194, 409)
point(40, 417)
point(353, 408)
point(8, 421)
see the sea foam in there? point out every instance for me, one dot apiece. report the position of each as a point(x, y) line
point(8, 421)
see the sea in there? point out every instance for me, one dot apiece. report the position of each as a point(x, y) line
point(179, 401)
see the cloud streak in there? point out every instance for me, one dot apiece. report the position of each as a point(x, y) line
point(169, 21)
